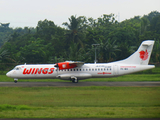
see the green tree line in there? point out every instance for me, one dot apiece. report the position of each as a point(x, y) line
point(49, 43)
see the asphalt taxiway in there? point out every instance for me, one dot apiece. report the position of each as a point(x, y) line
point(70, 84)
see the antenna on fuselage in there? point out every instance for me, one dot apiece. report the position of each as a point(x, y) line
point(95, 46)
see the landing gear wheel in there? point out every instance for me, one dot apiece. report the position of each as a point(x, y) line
point(15, 80)
point(74, 80)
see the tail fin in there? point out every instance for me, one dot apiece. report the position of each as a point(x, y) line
point(142, 55)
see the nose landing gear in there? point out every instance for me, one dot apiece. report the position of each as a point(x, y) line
point(15, 80)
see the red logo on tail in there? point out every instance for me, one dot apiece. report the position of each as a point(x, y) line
point(143, 55)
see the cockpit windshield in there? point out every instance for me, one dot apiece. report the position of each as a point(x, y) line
point(17, 68)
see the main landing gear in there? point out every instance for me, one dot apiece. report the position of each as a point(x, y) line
point(15, 80)
point(74, 80)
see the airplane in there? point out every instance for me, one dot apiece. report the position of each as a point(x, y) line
point(77, 70)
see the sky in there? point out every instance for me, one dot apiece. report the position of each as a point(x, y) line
point(27, 13)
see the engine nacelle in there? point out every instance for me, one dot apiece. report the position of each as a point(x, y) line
point(65, 65)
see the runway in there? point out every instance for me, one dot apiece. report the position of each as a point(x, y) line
point(70, 84)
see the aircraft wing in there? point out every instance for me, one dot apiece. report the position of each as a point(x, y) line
point(68, 64)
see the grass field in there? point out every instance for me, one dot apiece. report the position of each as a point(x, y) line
point(80, 102)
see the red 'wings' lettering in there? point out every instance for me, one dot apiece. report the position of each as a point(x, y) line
point(25, 71)
point(33, 70)
point(51, 71)
point(45, 70)
point(38, 71)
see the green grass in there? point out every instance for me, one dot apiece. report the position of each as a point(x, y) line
point(85, 112)
point(80, 102)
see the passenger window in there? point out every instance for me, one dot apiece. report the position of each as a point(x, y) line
point(83, 70)
point(89, 69)
point(101, 69)
point(95, 69)
point(74, 69)
point(104, 69)
point(77, 69)
point(86, 69)
point(98, 69)
point(92, 69)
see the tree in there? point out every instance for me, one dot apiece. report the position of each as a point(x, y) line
point(125, 51)
point(3, 55)
point(35, 52)
point(6, 25)
point(5, 34)
point(151, 15)
point(45, 29)
point(107, 50)
point(49, 43)
point(76, 30)
point(4, 59)
point(155, 25)
point(75, 53)
point(144, 24)
point(156, 52)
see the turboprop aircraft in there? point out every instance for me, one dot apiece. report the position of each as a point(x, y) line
point(76, 70)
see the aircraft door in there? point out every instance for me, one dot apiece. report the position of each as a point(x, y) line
point(115, 70)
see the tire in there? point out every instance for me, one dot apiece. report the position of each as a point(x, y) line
point(74, 80)
point(15, 81)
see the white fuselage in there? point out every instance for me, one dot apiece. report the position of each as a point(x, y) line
point(47, 71)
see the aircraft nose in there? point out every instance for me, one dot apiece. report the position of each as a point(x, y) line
point(8, 74)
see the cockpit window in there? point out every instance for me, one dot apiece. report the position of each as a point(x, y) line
point(17, 68)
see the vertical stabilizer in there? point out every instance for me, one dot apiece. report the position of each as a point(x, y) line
point(142, 55)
